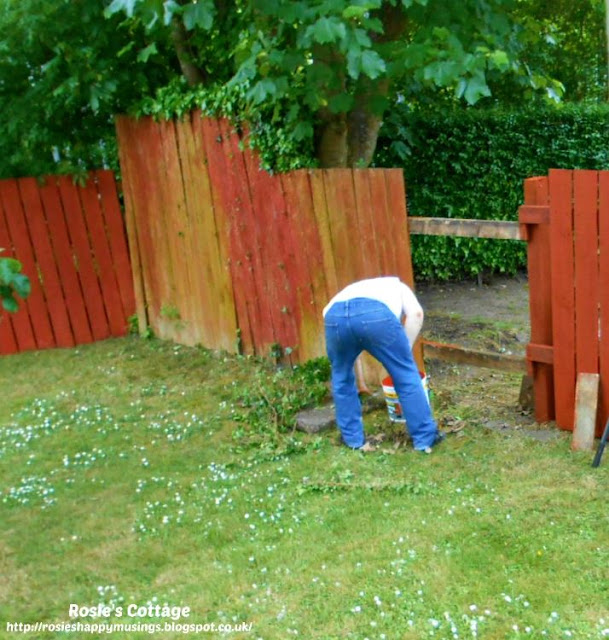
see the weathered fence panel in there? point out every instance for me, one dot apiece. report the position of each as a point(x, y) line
point(567, 218)
point(243, 258)
point(72, 244)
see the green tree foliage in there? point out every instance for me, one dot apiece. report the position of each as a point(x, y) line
point(65, 71)
point(330, 69)
point(571, 44)
point(12, 283)
point(315, 77)
point(472, 164)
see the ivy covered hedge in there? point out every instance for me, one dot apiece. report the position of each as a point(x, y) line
point(472, 164)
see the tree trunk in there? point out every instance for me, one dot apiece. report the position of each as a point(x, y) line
point(191, 72)
point(332, 146)
point(362, 136)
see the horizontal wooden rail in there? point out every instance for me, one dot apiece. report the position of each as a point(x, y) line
point(465, 227)
point(460, 355)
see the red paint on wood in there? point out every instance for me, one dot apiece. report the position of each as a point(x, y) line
point(201, 246)
point(89, 197)
point(51, 282)
point(117, 238)
point(563, 294)
point(275, 245)
point(367, 229)
point(20, 321)
point(129, 169)
point(184, 328)
point(144, 175)
point(380, 216)
point(540, 297)
point(232, 206)
point(342, 223)
point(64, 257)
point(16, 227)
point(84, 258)
point(320, 211)
point(247, 221)
point(603, 279)
point(8, 342)
point(212, 244)
point(311, 285)
point(585, 192)
point(396, 198)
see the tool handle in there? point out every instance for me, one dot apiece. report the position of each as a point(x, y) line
point(601, 446)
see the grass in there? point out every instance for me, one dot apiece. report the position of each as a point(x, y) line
point(140, 472)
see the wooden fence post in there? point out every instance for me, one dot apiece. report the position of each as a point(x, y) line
point(534, 217)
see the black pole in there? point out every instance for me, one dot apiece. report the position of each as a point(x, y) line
point(601, 446)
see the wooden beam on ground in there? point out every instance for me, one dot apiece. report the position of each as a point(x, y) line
point(460, 355)
point(586, 403)
point(465, 227)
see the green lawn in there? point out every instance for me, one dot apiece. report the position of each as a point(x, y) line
point(140, 473)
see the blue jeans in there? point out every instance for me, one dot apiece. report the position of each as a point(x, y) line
point(363, 324)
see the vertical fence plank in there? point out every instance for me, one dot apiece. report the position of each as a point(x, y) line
point(20, 322)
point(563, 294)
point(126, 158)
point(320, 210)
point(311, 286)
point(540, 298)
point(252, 213)
point(368, 241)
point(268, 207)
point(342, 223)
point(177, 225)
point(30, 197)
point(231, 217)
point(150, 223)
point(603, 278)
point(212, 244)
point(119, 250)
point(585, 225)
point(87, 275)
point(400, 238)
point(64, 256)
point(379, 213)
point(201, 246)
point(16, 227)
point(8, 342)
point(97, 234)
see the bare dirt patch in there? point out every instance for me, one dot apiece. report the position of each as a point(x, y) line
point(493, 316)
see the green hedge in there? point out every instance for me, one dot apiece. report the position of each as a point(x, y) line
point(472, 164)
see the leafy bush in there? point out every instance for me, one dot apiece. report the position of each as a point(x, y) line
point(266, 408)
point(472, 164)
point(12, 283)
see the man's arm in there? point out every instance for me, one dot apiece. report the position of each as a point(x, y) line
point(414, 314)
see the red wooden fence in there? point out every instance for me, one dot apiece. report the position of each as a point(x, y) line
point(71, 242)
point(567, 221)
point(223, 251)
